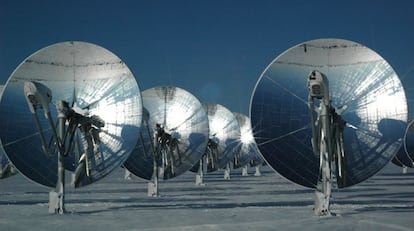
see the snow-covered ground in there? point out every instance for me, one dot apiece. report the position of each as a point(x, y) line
point(268, 202)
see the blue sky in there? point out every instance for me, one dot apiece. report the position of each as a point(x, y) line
point(215, 49)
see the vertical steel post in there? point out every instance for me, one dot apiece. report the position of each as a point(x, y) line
point(60, 186)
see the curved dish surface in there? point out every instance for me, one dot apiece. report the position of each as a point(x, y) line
point(101, 94)
point(183, 138)
point(364, 90)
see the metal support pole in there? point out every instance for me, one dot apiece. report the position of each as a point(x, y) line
point(200, 174)
point(153, 186)
point(60, 187)
point(322, 139)
point(57, 197)
point(404, 168)
point(227, 172)
point(257, 172)
point(244, 171)
point(323, 193)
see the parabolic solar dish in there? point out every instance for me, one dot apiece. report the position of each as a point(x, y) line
point(403, 158)
point(224, 137)
point(405, 155)
point(6, 168)
point(102, 106)
point(364, 90)
point(249, 152)
point(182, 125)
point(396, 161)
point(3, 158)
